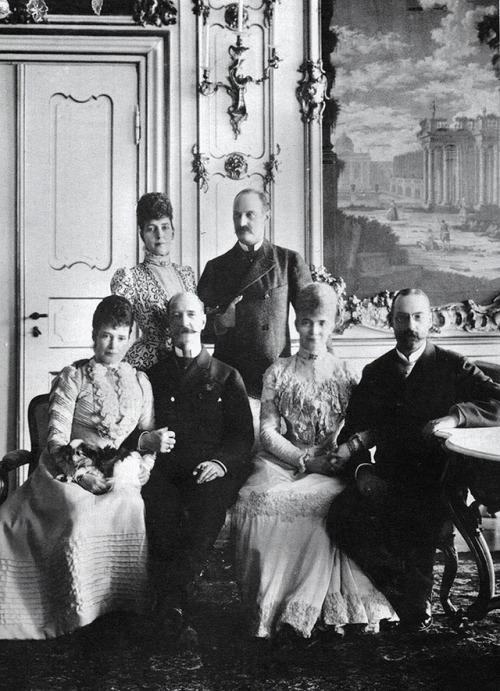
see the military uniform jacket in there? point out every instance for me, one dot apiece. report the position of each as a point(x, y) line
point(397, 408)
point(207, 407)
point(268, 286)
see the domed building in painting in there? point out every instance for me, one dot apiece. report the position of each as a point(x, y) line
point(360, 177)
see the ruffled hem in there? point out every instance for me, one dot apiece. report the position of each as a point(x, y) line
point(337, 611)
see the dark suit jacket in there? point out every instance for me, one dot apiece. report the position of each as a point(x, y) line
point(397, 409)
point(207, 407)
point(268, 286)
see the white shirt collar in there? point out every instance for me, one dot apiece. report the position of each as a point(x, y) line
point(412, 357)
point(179, 352)
point(257, 245)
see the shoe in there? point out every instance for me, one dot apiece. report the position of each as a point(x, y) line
point(188, 660)
point(188, 656)
point(416, 625)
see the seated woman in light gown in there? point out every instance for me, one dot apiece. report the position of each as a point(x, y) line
point(73, 544)
point(288, 570)
point(150, 285)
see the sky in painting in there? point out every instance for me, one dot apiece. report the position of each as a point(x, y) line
point(392, 63)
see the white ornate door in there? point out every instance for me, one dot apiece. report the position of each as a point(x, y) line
point(79, 182)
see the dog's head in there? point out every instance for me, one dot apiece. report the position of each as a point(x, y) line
point(79, 454)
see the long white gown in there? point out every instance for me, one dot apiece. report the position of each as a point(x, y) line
point(67, 555)
point(287, 567)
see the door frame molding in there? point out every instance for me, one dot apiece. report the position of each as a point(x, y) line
point(148, 53)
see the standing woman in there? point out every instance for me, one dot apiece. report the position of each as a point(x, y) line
point(73, 545)
point(290, 573)
point(150, 285)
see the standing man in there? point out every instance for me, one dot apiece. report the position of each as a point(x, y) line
point(248, 292)
point(205, 437)
point(390, 517)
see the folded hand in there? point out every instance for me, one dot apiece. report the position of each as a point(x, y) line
point(338, 459)
point(160, 440)
point(95, 484)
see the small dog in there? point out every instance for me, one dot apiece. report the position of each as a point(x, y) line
point(121, 466)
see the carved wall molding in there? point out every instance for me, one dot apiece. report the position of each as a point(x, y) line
point(153, 12)
point(201, 8)
point(199, 167)
point(271, 167)
point(373, 312)
point(237, 82)
point(236, 166)
point(269, 11)
point(312, 90)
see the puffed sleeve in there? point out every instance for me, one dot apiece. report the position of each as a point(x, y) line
point(147, 418)
point(188, 278)
point(123, 284)
point(270, 423)
point(62, 401)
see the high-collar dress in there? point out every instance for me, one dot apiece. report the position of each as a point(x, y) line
point(148, 287)
point(67, 555)
point(288, 569)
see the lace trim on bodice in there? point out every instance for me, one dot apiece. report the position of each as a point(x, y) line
point(114, 390)
point(312, 396)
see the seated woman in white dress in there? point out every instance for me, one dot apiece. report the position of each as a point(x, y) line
point(72, 543)
point(288, 570)
point(150, 285)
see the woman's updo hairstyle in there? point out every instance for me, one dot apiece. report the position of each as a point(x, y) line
point(153, 206)
point(317, 296)
point(113, 311)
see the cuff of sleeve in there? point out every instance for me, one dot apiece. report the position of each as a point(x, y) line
point(455, 410)
point(139, 442)
point(214, 460)
point(219, 328)
point(362, 465)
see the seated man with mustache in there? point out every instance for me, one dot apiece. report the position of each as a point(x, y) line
point(204, 444)
point(390, 517)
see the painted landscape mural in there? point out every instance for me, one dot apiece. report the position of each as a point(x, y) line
point(418, 144)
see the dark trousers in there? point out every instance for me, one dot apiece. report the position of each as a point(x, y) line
point(394, 541)
point(183, 519)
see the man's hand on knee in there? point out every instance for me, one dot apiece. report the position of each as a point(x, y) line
point(208, 471)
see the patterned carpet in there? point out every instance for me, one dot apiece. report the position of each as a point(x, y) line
point(121, 653)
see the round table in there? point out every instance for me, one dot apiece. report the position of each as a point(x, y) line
point(479, 449)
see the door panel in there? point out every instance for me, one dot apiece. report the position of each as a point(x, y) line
point(79, 181)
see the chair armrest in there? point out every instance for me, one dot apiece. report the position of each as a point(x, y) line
point(14, 459)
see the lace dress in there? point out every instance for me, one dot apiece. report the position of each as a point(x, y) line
point(287, 567)
point(67, 555)
point(148, 287)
